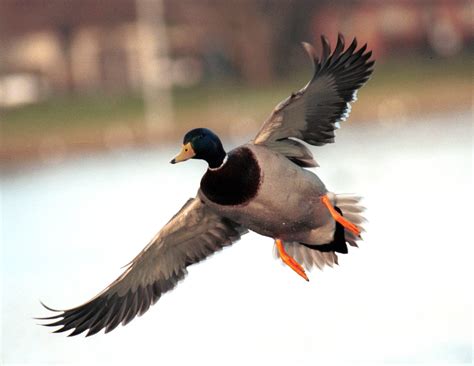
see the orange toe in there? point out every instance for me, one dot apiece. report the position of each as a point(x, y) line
point(338, 217)
point(288, 260)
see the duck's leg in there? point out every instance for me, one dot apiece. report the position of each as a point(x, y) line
point(338, 217)
point(287, 259)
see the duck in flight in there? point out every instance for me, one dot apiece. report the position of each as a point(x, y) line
point(261, 186)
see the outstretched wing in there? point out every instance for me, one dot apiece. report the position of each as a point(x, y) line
point(312, 113)
point(193, 234)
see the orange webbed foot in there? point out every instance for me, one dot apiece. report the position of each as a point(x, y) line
point(338, 217)
point(288, 260)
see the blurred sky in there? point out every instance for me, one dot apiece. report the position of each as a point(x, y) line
point(403, 297)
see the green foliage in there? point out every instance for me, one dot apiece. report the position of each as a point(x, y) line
point(216, 102)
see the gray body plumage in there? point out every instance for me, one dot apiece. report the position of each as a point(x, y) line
point(297, 214)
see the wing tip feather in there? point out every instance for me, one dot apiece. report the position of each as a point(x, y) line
point(50, 309)
point(326, 48)
point(308, 47)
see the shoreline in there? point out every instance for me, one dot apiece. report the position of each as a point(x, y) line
point(233, 118)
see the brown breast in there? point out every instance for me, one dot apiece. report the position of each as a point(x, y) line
point(236, 182)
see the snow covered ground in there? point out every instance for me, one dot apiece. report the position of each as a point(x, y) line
point(403, 297)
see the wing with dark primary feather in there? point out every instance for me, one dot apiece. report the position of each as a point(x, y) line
point(193, 234)
point(312, 113)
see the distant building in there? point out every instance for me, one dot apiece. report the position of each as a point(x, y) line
point(82, 46)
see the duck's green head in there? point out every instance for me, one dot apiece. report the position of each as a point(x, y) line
point(204, 144)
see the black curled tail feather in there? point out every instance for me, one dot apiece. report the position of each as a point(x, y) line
point(338, 244)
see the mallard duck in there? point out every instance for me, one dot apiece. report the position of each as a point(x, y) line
point(261, 186)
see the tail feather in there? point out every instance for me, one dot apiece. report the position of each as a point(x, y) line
point(319, 256)
point(308, 258)
point(351, 238)
point(351, 210)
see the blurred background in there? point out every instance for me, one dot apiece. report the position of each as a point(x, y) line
point(95, 97)
point(77, 76)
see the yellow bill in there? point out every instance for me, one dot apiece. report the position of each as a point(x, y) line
point(186, 153)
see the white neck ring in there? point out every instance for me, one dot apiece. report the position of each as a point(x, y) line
point(220, 166)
